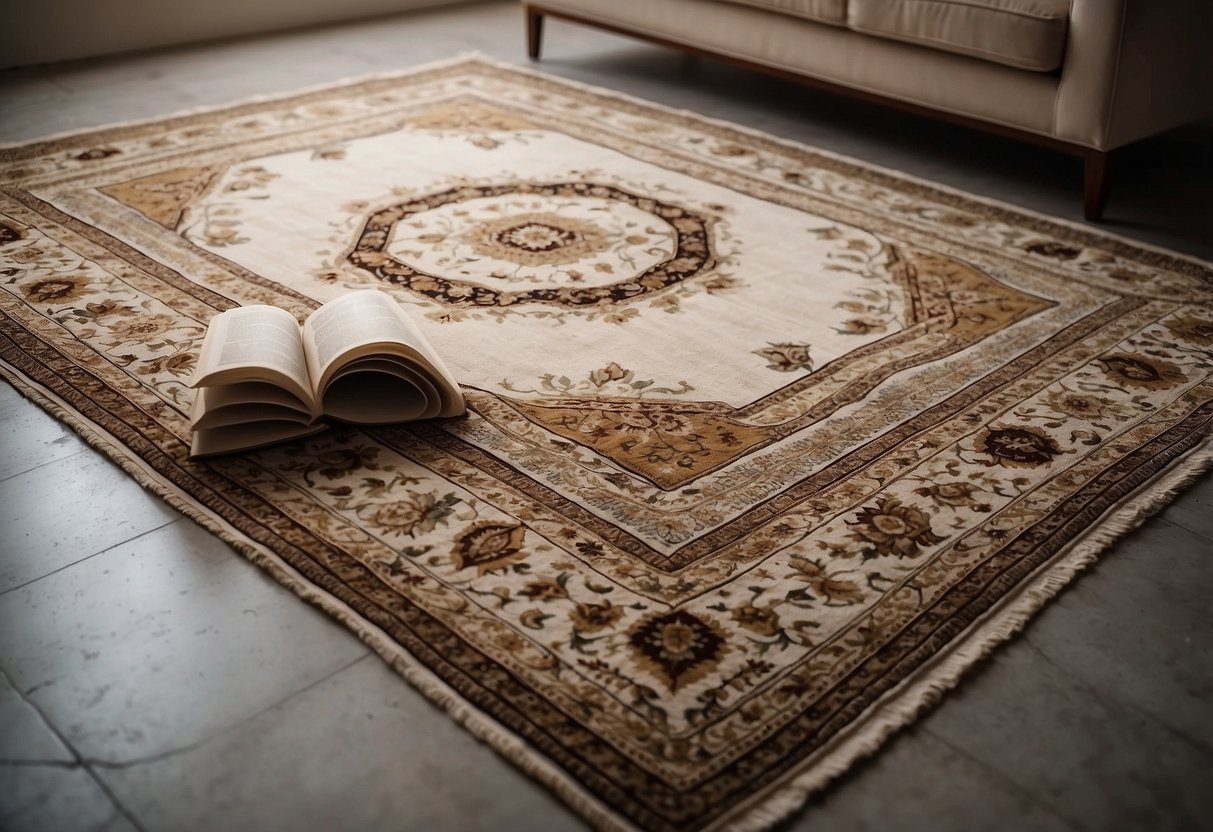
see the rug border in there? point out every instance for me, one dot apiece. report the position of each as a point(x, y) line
point(927, 686)
point(899, 707)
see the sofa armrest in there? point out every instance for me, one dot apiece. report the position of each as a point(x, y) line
point(1134, 68)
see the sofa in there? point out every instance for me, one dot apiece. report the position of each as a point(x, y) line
point(1080, 76)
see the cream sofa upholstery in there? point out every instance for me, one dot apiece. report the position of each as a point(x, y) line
point(1081, 76)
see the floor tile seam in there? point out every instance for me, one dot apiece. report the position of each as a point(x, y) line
point(1204, 536)
point(74, 762)
point(36, 763)
point(119, 807)
point(1009, 782)
point(78, 760)
point(107, 549)
point(1107, 698)
point(83, 450)
point(29, 74)
point(51, 77)
point(1151, 527)
point(151, 759)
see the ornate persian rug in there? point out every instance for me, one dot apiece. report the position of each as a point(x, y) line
point(765, 446)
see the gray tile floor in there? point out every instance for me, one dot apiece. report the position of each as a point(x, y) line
point(150, 678)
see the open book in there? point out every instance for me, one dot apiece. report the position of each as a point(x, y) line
point(263, 379)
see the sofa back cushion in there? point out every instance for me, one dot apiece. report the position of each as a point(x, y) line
point(821, 11)
point(1029, 34)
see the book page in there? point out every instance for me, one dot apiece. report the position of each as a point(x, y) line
point(244, 437)
point(253, 339)
point(357, 318)
point(246, 401)
point(370, 323)
point(378, 390)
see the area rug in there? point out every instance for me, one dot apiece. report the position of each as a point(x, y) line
point(766, 446)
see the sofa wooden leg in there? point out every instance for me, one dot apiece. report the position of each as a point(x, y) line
point(1095, 183)
point(534, 32)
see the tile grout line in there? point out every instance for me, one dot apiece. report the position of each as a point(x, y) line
point(39, 763)
point(114, 765)
point(57, 570)
point(53, 78)
point(1096, 693)
point(39, 465)
point(1002, 777)
point(122, 810)
point(33, 408)
point(79, 761)
point(90, 765)
point(1197, 532)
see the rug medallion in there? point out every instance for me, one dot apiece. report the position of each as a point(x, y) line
point(765, 446)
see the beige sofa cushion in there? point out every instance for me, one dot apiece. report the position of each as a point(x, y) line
point(1029, 34)
point(822, 11)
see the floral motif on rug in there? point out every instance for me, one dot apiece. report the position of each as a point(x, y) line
point(764, 446)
